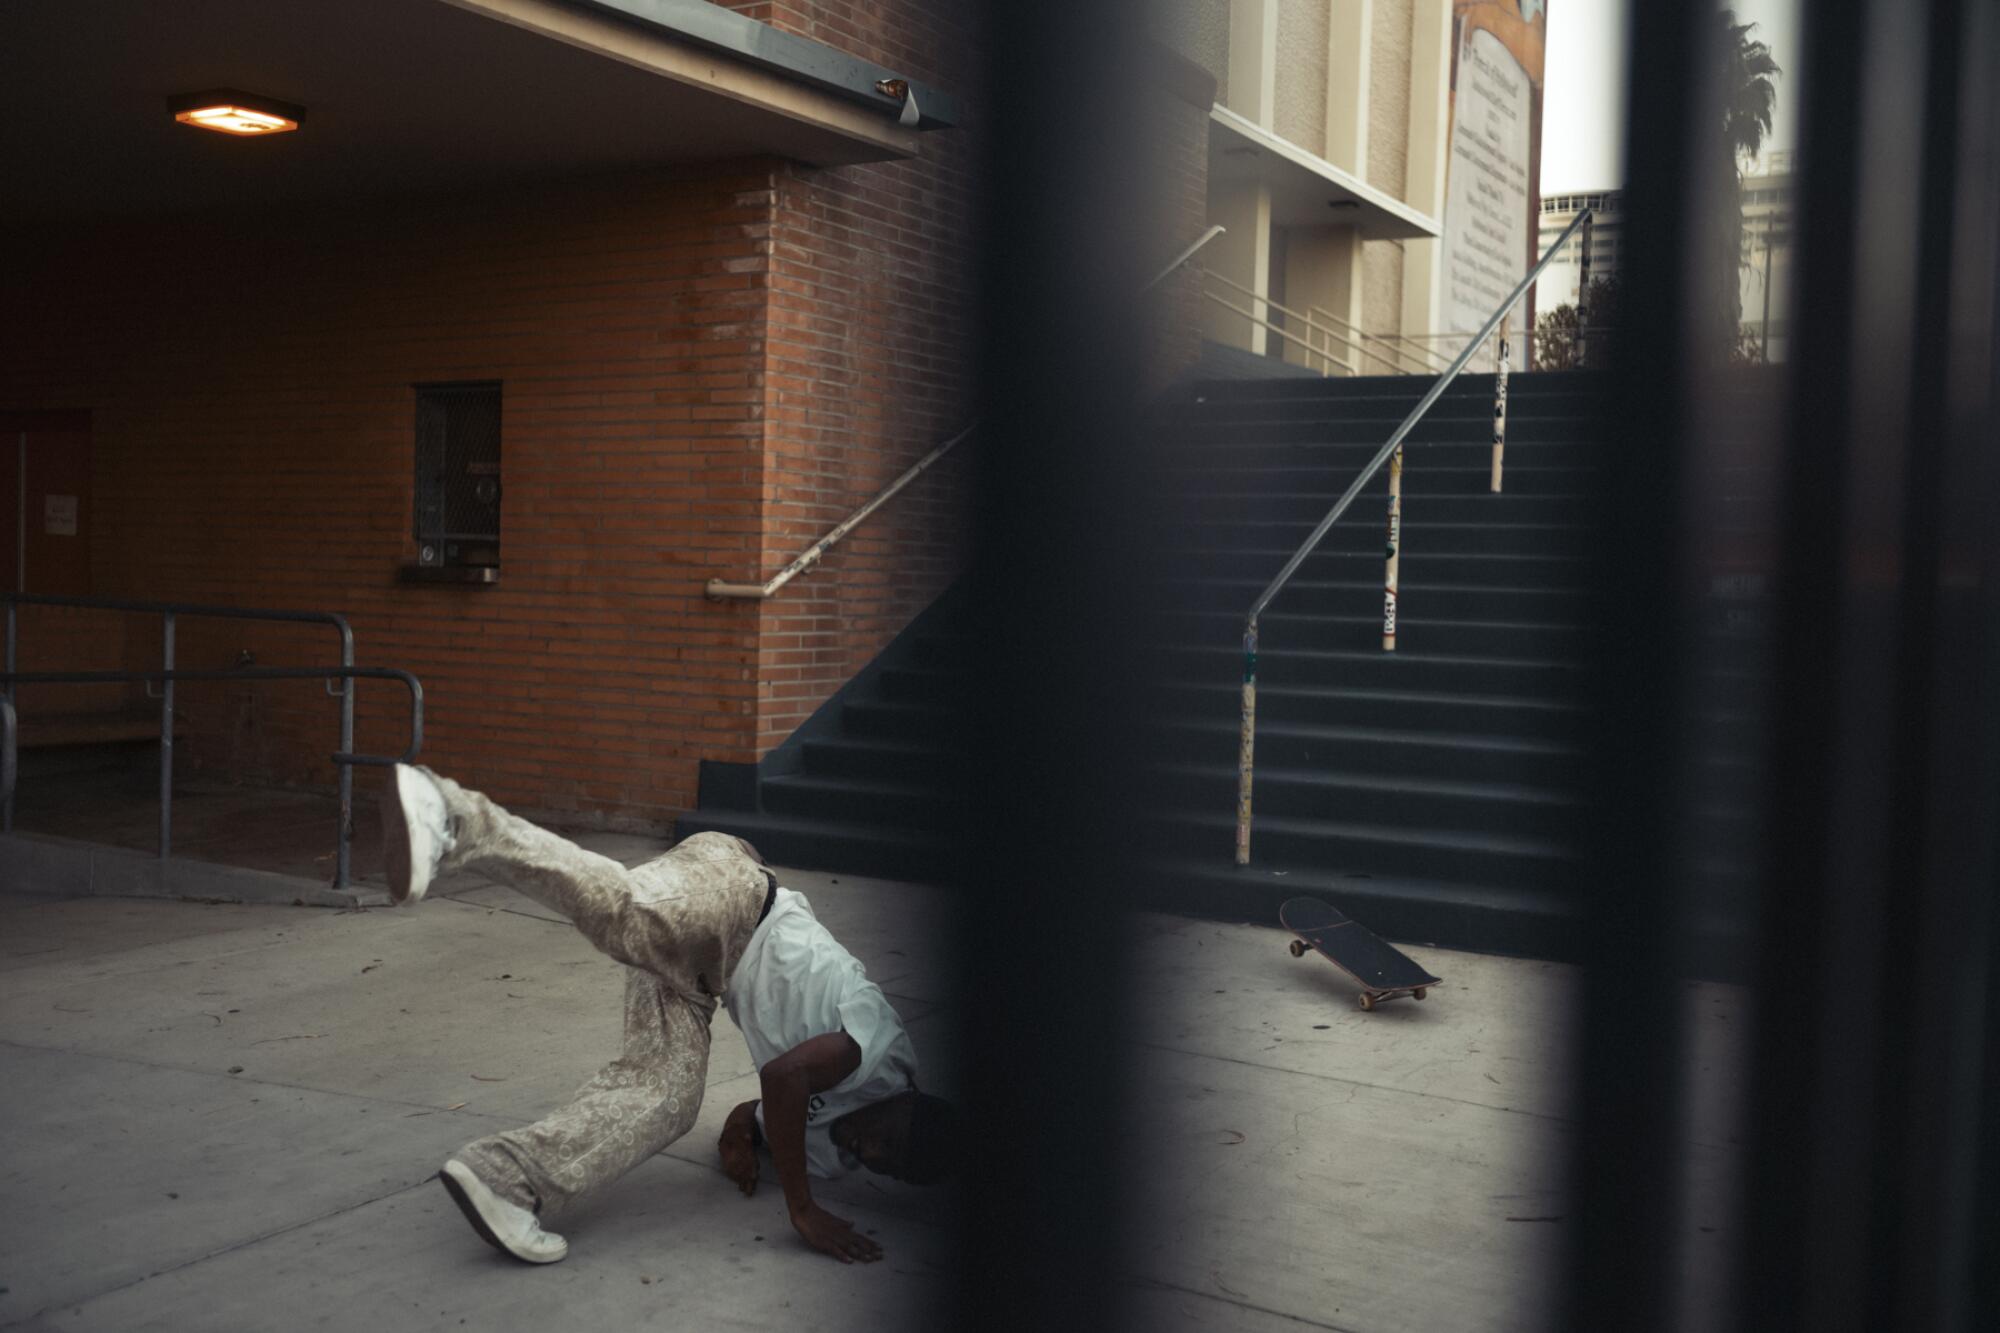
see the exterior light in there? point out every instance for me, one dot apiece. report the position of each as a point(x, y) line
point(230, 112)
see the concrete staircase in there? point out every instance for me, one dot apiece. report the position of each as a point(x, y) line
point(1432, 792)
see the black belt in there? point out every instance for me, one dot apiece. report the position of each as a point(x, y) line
point(770, 895)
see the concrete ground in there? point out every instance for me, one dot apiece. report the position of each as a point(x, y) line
point(225, 1117)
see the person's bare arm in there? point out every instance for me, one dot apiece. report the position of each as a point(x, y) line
point(738, 1147)
point(788, 1083)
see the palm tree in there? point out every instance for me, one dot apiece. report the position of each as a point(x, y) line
point(1748, 97)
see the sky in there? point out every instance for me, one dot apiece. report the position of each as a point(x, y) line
point(1583, 136)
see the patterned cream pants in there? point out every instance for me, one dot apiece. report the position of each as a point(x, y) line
point(679, 923)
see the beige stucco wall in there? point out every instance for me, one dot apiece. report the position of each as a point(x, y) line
point(1389, 96)
point(1388, 157)
point(1302, 49)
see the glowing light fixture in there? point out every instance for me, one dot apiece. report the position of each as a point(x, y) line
point(230, 112)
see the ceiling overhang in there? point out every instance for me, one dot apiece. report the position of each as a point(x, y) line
point(409, 96)
point(1306, 189)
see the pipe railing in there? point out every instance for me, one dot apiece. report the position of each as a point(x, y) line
point(1304, 317)
point(171, 613)
point(1431, 362)
point(1246, 743)
point(724, 590)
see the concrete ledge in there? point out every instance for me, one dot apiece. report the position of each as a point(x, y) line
point(66, 868)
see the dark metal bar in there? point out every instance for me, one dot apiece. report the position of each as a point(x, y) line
point(339, 622)
point(1057, 579)
point(798, 58)
point(1622, 1229)
point(7, 748)
point(167, 739)
point(7, 801)
point(1812, 1067)
point(341, 860)
point(415, 687)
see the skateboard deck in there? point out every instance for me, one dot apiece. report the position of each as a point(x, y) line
point(1382, 970)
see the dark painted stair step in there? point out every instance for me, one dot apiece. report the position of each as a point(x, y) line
point(1393, 802)
point(884, 759)
point(884, 851)
point(1337, 706)
point(934, 807)
point(905, 720)
point(1419, 629)
point(1418, 564)
point(1446, 756)
point(1430, 477)
point(1217, 432)
point(1311, 506)
point(1359, 532)
point(1307, 597)
point(1471, 450)
point(1371, 668)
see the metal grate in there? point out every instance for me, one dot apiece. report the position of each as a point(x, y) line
point(458, 473)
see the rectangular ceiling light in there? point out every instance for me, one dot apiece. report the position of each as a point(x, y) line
point(230, 112)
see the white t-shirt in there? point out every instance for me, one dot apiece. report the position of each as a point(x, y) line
point(793, 983)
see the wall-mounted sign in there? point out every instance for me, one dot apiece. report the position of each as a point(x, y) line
point(1493, 180)
point(59, 515)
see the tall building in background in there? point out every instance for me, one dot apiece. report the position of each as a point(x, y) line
point(1764, 276)
point(1561, 280)
point(1765, 280)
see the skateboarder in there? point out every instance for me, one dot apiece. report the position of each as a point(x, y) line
point(704, 922)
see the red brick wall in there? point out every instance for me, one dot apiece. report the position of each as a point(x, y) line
point(252, 446)
point(703, 371)
point(871, 326)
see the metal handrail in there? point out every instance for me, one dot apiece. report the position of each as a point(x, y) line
point(6, 749)
point(1304, 317)
point(1246, 746)
point(1184, 256)
point(1282, 332)
point(721, 589)
point(1389, 340)
point(171, 613)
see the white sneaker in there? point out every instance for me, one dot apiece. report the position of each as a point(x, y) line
point(507, 1227)
point(416, 832)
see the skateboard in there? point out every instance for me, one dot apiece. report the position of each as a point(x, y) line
point(1383, 970)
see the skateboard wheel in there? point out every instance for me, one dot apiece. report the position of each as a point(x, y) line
point(1419, 992)
point(1298, 948)
point(1367, 1000)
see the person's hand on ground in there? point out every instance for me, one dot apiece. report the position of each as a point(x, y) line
point(739, 1155)
point(834, 1235)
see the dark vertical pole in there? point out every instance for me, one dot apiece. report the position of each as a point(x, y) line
point(1623, 1165)
point(13, 628)
point(1062, 251)
point(1877, 939)
point(166, 738)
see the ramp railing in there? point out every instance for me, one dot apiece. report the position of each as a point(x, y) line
point(339, 684)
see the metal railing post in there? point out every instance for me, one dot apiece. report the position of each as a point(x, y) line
point(6, 748)
point(167, 737)
point(346, 834)
point(1392, 448)
point(7, 805)
point(1501, 364)
point(1395, 551)
point(1246, 742)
